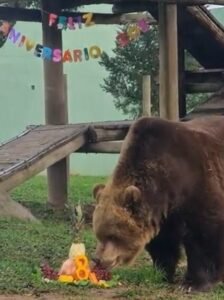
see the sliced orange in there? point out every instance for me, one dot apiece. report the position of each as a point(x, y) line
point(65, 278)
point(93, 278)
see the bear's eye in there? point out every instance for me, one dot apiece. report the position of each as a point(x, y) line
point(153, 223)
point(112, 238)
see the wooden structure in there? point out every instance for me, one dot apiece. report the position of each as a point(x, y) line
point(40, 147)
point(181, 26)
point(213, 106)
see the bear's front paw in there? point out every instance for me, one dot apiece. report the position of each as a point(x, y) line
point(185, 288)
point(188, 288)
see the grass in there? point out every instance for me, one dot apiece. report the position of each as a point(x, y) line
point(24, 246)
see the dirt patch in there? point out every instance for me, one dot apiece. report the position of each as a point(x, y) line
point(91, 294)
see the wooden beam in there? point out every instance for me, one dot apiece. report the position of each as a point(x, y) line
point(34, 15)
point(204, 81)
point(208, 21)
point(168, 56)
point(102, 147)
point(188, 2)
point(55, 105)
point(204, 75)
point(208, 87)
point(72, 3)
point(107, 134)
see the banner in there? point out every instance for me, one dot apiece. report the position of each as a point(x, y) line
point(5, 27)
point(55, 55)
point(72, 23)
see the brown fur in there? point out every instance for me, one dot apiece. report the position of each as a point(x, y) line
point(167, 190)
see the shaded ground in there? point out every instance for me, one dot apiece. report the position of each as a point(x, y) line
point(92, 294)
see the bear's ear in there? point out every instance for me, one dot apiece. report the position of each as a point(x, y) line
point(97, 189)
point(132, 199)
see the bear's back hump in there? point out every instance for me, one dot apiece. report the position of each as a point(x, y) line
point(213, 126)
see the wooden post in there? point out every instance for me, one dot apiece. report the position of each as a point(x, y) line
point(168, 72)
point(181, 66)
point(65, 77)
point(146, 95)
point(55, 104)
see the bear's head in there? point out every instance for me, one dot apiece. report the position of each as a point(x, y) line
point(120, 223)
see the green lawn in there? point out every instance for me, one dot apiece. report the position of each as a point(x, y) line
point(24, 246)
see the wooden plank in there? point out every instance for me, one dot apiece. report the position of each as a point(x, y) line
point(16, 148)
point(168, 73)
point(9, 182)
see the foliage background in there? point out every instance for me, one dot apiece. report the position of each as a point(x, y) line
point(126, 67)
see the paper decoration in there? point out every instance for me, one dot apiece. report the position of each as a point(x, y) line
point(122, 39)
point(54, 55)
point(94, 52)
point(143, 25)
point(132, 32)
point(63, 23)
point(5, 27)
point(67, 56)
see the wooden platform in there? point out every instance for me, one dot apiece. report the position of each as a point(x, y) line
point(41, 146)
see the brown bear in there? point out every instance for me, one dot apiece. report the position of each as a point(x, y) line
point(166, 191)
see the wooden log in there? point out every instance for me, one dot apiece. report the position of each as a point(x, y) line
point(204, 75)
point(208, 21)
point(169, 90)
point(102, 147)
point(204, 81)
point(137, 16)
point(104, 134)
point(55, 104)
point(206, 87)
point(146, 95)
point(70, 3)
point(131, 7)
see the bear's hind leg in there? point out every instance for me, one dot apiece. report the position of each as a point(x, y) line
point(202, 272)
point(165, 250)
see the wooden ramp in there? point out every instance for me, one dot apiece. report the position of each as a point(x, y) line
point(41, 146)
point(36, 149)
